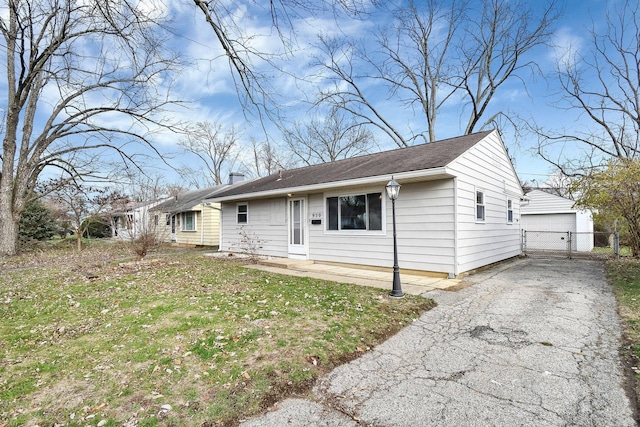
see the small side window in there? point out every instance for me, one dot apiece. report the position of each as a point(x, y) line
point(242, 213)
point(509, 211)
point(480, 206)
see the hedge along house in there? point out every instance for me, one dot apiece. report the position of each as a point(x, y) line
point(458, 208)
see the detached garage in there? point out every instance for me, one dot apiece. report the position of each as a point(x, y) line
point(547, 220)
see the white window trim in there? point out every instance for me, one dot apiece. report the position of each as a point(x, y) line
point(238, 212)
point(183, 222)
point(383, 208)
point(483, 204)
point(510, 221)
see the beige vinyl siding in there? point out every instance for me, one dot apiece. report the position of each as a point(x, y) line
point(487, 168)
point(425, 230)
point(210, 225)
point(164, 230)
point(207, 232)
point(188, 237)
point(266, 222)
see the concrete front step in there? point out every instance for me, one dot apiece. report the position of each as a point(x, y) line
point(284, 262)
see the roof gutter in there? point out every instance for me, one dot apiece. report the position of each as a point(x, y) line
point(412, 176)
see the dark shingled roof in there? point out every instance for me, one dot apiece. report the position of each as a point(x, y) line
point(418, 157)
point(186, 201)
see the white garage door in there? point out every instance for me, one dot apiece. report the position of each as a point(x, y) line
point(552, 230)
point(549, 222)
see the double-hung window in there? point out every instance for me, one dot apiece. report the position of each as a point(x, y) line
point(242, 213)
point(480, 214)
point(355, 212)
point(188, 222)
point(509, 211)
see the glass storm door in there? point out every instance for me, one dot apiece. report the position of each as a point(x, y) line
point(297, 228)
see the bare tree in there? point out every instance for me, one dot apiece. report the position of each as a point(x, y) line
point(327, 139)
point(414, 64)
point(602, 86)
point(173, 190)
point(244, 54)
point(217, 148)
point(82, 77)
point(79, 204)
point(267, 159)
point(133, 218)
point(495, 51)
point(436, 55)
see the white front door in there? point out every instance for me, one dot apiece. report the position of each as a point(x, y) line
point(297, 228)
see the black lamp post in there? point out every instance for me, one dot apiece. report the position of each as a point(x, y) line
point(393, 189)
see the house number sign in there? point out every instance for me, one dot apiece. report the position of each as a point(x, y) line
point(316, 218)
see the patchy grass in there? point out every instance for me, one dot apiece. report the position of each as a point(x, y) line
point(625, 251)
point(56, 251)
point(183, 340)
point(625, 277)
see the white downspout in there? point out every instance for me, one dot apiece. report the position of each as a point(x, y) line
point(202, 223)
point(220, 228)
point(219, 222)
point(455, 227)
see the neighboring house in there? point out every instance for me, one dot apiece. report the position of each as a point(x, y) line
point(191, 219)
point(548, 218)
point(458, 208)
point(135, 219)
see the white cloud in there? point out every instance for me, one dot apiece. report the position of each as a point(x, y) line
point(566, 47)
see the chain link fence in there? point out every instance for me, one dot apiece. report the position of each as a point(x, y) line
point(570, 244)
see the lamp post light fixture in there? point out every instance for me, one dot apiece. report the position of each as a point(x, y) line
point(393, 189)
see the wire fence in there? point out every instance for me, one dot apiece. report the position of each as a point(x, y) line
point(570, 244)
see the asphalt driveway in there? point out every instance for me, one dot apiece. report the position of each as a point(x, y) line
point(530, 343)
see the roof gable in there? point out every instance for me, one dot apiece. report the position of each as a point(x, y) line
point(418, 157)
point(543, 202)
point(189, 199)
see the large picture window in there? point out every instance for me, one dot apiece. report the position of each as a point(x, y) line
point(355, 212)
point(188, 221)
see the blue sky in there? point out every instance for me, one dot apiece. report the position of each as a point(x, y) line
point(207, 85)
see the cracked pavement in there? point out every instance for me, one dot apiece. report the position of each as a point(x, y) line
point(531, 342)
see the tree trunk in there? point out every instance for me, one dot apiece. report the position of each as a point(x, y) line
point(8, 229)
point(79, 233)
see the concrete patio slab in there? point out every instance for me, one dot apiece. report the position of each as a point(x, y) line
point(411, 284)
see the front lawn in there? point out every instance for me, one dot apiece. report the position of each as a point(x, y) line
point(183, 340)
point(625, 277)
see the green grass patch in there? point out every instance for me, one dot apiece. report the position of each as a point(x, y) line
point(624, 275)
point(625, 278)
point(216, 341)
